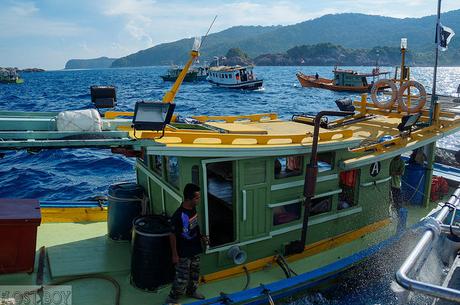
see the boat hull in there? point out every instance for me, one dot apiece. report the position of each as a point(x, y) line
point(14, 81)
point(188, 78)
point(249, 85)
point(324, 83)
point(296, 284)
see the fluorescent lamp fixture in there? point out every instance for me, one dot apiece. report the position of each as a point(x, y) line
point(152, 115)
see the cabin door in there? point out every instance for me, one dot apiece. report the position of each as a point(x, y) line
point(253, 211)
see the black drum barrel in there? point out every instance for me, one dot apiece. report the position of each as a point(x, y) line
point(151, 265)
point(125, 204)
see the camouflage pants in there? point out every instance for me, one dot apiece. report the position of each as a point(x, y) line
point(187, 276)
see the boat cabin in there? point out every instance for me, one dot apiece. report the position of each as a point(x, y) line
point(350, 78)
point(231, 75)
point(256, 202)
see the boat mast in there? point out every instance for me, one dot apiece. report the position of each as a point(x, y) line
point(194, 54)
point(434, 98)
point(171, 94)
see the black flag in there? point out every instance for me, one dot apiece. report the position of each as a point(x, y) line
point(445, 35)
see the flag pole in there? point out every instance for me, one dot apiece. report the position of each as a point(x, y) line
point(434, 98)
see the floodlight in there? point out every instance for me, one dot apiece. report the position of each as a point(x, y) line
point(403, 43)
point(407, 122)
point(152, 115)
point(103, 96)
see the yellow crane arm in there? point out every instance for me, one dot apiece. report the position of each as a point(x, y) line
point(171, 94)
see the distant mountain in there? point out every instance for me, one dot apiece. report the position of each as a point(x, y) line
point(178, 52)
point(101, 62)
point(351, 31)
point(348, 30)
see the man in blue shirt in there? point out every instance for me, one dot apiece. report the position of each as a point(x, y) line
point(186, 246)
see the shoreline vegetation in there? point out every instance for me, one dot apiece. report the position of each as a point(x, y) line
point(324, 54)
point(25, 70)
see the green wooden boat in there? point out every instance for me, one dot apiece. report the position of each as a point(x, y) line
point(10, 76)
point(172, 74)
point(286, 204)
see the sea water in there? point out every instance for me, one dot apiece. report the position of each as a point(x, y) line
point(80, 174)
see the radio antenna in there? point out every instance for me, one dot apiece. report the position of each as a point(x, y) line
point(209, 29)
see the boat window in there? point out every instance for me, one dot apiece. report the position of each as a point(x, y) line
point(288, 166)
point(325, 162)
point(226, 76)
point(220, 203)
point(172, 171)
point(195, 175)
point(348, 198)
point(230, 76)
point(286, 213)
point(321, 205)
point(158, 164)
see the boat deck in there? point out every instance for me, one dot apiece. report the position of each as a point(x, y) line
point(83, 249)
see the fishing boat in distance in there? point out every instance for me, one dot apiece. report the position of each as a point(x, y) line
point(286, 204)
point(344, 80)
point(234, 77)
point(194, 74)
point(10, 76)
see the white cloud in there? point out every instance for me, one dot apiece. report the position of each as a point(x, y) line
point(152, 22)
point(24, 9)
point(23, 19)
point(136, 15)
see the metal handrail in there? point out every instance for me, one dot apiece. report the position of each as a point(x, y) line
point(420, 250)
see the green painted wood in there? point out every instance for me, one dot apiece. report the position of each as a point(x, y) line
point(27, 123)
point(255, 215)
point(89, 256)
point(43, 144)
point(61, 135)
point(20, 114)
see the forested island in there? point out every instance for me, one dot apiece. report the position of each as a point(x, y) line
point(346, 39)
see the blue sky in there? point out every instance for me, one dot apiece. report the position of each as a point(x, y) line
point(46, 33)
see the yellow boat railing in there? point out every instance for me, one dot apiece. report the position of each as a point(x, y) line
point(178, 137)
point(233, 118)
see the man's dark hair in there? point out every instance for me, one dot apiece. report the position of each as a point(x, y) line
point(189, 191)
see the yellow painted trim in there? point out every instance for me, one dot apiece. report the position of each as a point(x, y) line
point(74, 214)
point(232, 118)
point(217, 139)
point(115, 114)
point(310, 250)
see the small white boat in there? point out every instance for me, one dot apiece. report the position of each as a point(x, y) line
point(237, 77)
